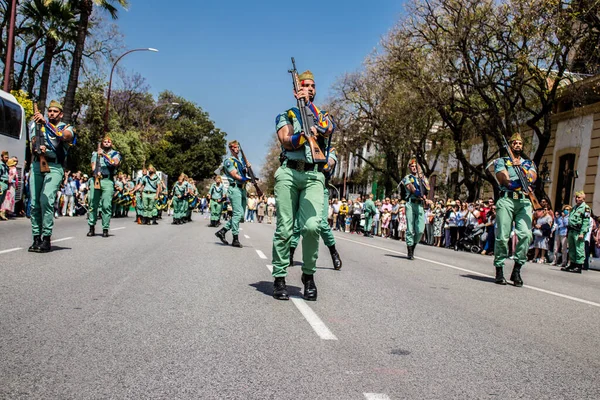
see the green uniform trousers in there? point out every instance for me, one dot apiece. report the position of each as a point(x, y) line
point(298, 195)
point(3, 189)
point(576, 248)
point(237, 197)
point(415, 222)
point(326, 233)
point(101, 200)
point(139, 205)
point(43, 196)
point(149, 201)
point(215, 210)
point(179, 207)
point(507, 211)
point(368, 223)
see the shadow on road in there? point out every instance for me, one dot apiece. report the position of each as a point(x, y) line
point(267, 288)
point(395, 256)
point(479, 278)
point(59, 248)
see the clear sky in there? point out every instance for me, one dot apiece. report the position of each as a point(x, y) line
point(232, 57)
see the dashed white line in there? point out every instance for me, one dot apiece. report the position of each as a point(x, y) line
point(118, 229)
point(376, 396)
point(313, 319)
point(270, 267)
point(564, 296)
point(247, 237)
point(261, 254)
point(62, 240)
point(10, 250)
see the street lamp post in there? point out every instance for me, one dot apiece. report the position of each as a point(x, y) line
point(110, 83)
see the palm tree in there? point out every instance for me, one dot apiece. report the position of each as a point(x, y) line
point(84, 8)
point(54, 22)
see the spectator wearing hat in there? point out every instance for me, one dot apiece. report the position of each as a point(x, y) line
point(8, 204)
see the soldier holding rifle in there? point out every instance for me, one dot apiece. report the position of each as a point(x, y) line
point(236, 171)
point(101, 199)
point(417, 186)
point(515, 175)
point(50, 139)
point(299, 183)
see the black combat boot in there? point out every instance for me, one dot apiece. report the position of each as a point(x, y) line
point(104, 232)
point(500, 276)
point(154, 221)
point(410, 254)
point(335, 257)
point(515, 277)
point(92, 231)
point(310, 289)
point(35, 247)
point(292, 250)
point(45, 246)
point(236, 242)
point(221, 235)
point(280, 289)
point(573, 267)
point(174, 221)
point(146, 220)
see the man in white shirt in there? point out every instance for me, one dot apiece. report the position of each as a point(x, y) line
point(270, 208)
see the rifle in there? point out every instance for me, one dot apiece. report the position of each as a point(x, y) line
point(521, 176)
point(97, 167)
point(424, 183)
point(253, 179)
point(317, 153)
point(37, 142)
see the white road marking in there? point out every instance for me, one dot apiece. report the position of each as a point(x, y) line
point(313, 319)
point(62, 240)
point(564, 296)
point(270, 267)
point(376, 396)
point(247, 237)
point(261, 254)
point(10, 250)
point(118, 229)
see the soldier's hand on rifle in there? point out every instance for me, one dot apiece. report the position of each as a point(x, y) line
point(580, 237)
point(43, 149)
point(38, 117)
point(100, 152)
point(303, 93)
point(516, 162)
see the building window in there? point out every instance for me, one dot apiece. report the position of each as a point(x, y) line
point(566, 180)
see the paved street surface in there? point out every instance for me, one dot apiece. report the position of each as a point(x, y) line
point(168, 312)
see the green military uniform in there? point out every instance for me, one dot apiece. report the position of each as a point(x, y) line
point(216, 192)
point(102, 199)
point(579, 224)
point(129, 186)
point(325, 229)
point(513, 206)
point(118, 199)
point(3, 180)
point(43, 186)
point(236, 193)
point(150, 187)
point(415, 215)
point(299, 190)
point(369, 210)
point(139, 205)
point(192, 201)
point(180, 204)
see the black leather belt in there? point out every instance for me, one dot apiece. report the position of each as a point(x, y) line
point(48, 159)
point(301, 166)
point(513, 195)
point(417, 201)
point(148, 191)
point(240, 185)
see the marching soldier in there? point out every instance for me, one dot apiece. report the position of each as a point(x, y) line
point(217, 195)
point(579, 223)
point(236, 171)
point(370, 210)
point(102, 199)
point(416, 186)
point(129, 186)
point(179, 194)
point(299, 188)
point(513, 206)
point(118, 197)
point(151, 187)
point(58, 137)
point(326, 232)
point(192, 199)
point(139, 204)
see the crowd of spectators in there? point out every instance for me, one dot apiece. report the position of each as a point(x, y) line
point(458, 225)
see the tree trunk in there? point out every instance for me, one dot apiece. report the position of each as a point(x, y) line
point(49, 53)
point(86, 7)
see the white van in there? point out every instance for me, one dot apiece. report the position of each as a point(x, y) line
point(13, 133)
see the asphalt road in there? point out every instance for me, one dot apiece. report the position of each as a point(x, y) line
point(168, 312)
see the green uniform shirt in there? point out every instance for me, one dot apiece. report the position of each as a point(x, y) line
point(292, 117)
point(180, 189)
point(53, 145)
point(107, 170)
point(369, 208)
point(3, 172)
point(579, 219)
point(505, 163)
point(231, 164)
point(150, 184)
point(410, 179)
point(216, 192)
